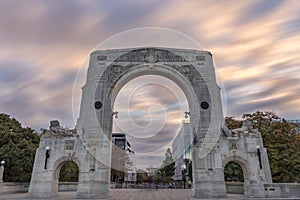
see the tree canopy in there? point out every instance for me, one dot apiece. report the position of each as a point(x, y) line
point(142, 176)
point(69, 172)
point(167, 168)
point(233, 172)
point(17, 148)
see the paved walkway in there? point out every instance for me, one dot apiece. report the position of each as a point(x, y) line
point(130, 194)
point(123, 194)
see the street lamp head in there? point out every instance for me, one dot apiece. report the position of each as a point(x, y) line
point(2, 162)
point(116, 114)
point(257, 147)
point(186, 114)
point(47, 148)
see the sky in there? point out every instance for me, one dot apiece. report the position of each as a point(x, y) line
point(255, 46)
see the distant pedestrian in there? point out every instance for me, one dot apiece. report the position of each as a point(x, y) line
point(150, 183)
point(156, 184)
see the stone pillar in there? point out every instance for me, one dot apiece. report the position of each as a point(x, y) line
point(91, 186)
point(95, 170)
point(41, 185)
point(266, 166)
point(208, 176)
point(256, 185)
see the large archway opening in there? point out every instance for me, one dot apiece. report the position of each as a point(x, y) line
point(149, 118)
point(195, 80)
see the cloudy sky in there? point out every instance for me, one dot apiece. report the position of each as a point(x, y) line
point(255, 45)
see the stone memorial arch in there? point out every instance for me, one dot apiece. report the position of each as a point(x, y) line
point(89, 144)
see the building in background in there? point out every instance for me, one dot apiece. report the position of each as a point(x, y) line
point(152, 171)
point(130, 166)
point(181, 148)
point(122, 161)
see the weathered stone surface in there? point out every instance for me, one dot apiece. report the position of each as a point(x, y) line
point(90, 146)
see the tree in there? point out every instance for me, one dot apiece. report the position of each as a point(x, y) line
point(233, 172)
point(264, 122)
point(168, 166)
point(142, 176)
point(233, 123)
point(17, 148)
point(69, 172)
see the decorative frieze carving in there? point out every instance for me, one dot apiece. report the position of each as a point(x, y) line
point(150, 56)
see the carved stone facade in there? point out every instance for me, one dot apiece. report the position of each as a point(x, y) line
point(58, 145)
point(90, 145)
point(245, 147)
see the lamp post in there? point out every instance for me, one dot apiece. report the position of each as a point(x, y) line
point(1, 170)
point(47, 156)
point(115, 114)
point(187, 162)
point(183, 172)
point(259, 157)
point(186, 114)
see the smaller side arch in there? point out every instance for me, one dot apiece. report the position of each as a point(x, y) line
point(246, 171)
point(58, 164)
point(239, 160)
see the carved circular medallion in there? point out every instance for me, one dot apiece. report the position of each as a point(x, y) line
point(117, 68)
point(150, 58)
point(98, 105)
point(204, 105)
point(186, 69)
